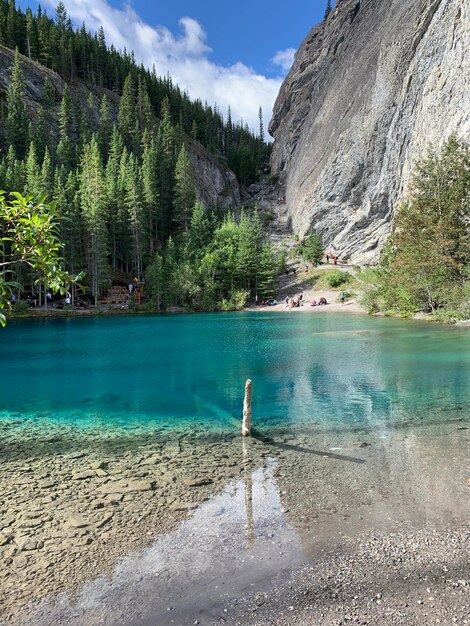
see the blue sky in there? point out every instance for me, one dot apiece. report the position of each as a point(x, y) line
point(232, 53)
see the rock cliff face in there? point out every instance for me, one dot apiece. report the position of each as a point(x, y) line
point(216, 184)
point(370, 89)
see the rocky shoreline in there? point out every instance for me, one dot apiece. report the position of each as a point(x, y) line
point(366, 506)
point(74, 502)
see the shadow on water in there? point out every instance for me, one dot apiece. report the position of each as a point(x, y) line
point(295, 448)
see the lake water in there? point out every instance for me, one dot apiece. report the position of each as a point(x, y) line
point(333, 371)
point(361, 427)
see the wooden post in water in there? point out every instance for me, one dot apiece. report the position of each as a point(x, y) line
point(246, 424)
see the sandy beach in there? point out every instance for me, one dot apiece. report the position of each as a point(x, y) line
point(292, 285)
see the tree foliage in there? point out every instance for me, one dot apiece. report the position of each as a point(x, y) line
point(213, 265)
point(312, 249)
point(116, 166)
point(30, 238)
point(426, 263)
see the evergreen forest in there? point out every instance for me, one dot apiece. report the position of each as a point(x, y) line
point(117, 166)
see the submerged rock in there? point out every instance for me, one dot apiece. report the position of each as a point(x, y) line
point(197, 482)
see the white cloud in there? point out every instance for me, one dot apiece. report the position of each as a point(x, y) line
point(184, 56)
point(284, 59)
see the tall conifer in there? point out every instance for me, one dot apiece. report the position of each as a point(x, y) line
point(185, 192)
point(17, 123)
point(92, 193)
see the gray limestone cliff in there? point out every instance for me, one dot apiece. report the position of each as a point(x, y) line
point(216, 184)
point(370, 89)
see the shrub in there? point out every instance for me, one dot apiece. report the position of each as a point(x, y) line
point(336, 278)
point(20, 307)
point(236, 302)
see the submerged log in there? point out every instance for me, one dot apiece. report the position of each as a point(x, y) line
point(246, 424)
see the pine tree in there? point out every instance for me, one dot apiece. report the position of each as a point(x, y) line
point(15, 174)
point(17, 123)
point(428, 255)
point(166, 168)
point(39, 134)
point(266, 274)
point(113, 191)
point(127, 118)
point(261, 125)
point(65, 148)
point(92, 193)
point(144, 108)
point(47, 185)
point(104, 129)
point(150, 191)
point(155, 281)
point(134, 202)
point(47, 99)
point(32, 39)
point(200, 231)
point(248, 254)
point(185, 192)
point(33, 173)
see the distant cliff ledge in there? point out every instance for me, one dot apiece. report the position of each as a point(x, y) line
point(370, 89)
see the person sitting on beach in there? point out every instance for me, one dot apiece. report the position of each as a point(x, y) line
point(322, 301)
point(314, 303)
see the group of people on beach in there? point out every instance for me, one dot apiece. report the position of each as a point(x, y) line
point(266, 302)
point(294, 302)
point(321, 302)
point(298, 301)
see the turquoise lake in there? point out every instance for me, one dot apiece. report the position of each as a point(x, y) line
point(327, 370)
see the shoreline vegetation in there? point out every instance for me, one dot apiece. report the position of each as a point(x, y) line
point(310, 283)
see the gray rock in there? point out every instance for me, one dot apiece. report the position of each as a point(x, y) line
point(97, 465)
point(183, 506)
point(26, 544)
point(362, 102)
point(197, 482)
point(77, 521)
point(139, 485)
point(30, 523)
point(104, 520)
point(83, 475)
point(20, 561)
point(101, 473)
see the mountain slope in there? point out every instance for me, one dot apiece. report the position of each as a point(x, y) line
point(369, 90)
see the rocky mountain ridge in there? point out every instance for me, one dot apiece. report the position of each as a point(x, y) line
point(370, 89)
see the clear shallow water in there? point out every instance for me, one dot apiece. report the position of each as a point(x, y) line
point(331, 371)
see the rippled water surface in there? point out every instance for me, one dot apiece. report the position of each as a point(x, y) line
point(329, 370)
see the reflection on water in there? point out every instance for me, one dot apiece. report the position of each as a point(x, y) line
point(331, 369)
point(231, 545)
